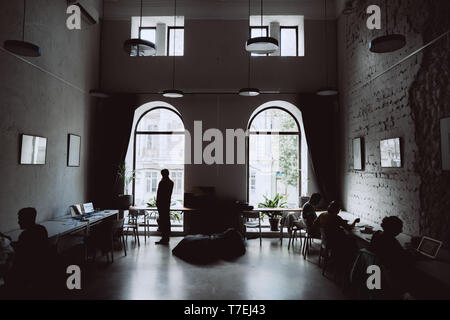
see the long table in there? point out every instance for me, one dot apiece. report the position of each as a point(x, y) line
point(437, 269)
point(66, 225)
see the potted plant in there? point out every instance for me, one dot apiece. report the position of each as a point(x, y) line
point(125, 177)
point(274, 216)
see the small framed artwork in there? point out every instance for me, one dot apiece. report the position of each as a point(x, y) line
point(390, 153)
point(33, 149)
point(445, 143)
point(357, 154)
point(73, 150)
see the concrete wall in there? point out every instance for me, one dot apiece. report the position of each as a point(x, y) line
point(45, 96)
point(407, 102)
point(215, 60)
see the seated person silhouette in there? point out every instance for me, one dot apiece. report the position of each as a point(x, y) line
point(163, 197)
point(31, 252)
point(394, 258)
point(343, 246)
point(309, 214)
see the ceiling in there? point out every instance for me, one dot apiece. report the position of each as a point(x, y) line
point(219, 9)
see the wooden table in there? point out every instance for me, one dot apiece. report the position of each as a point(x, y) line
point(66, 225)
point(278, 210)
point(183, 210)
point(437, 269)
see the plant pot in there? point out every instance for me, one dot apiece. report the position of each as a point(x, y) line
point(124, 201)
point(274, 223)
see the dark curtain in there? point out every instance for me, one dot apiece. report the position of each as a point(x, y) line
point(114, 120)
point(321, 121)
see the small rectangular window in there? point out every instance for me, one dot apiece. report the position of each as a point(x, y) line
point(256, 32)
point(175, 41)
point(288, 41)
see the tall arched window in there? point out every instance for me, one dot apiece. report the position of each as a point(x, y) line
point(273, 154)
point(158, 144)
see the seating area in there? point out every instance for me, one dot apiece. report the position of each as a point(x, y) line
point(238, 150)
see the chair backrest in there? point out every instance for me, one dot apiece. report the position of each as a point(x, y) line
point(115, 226)
point(324, 237)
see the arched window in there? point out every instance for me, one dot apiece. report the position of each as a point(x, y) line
point(274, 159)
point(158, 144)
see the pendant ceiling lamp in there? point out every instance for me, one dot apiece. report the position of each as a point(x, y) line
point(21, 47)
point(139, 47)
point(173, 93)
point(388, 42)
point(261, 45)
point(328, 90)
point(249, 91)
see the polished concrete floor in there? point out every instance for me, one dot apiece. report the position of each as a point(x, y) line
point(269, 271)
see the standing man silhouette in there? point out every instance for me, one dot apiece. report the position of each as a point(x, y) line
point(163, 196)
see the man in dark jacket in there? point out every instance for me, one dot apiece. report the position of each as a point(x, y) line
point(31, 252)
point(163, 197)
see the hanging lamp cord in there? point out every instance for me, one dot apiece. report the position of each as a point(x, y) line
point(386, 13)
point(23, 22)
point(326, 42)
point(262, 10)
point(249, 53)
point(174, 33)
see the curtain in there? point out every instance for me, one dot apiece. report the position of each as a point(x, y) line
point(114, 120)
point(320, 120)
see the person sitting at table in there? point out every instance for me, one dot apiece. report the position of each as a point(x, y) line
point(391, 253)
point(307, 217)
point(342, 245)
point(31, 252)
point(163, 197)
point(309, 214)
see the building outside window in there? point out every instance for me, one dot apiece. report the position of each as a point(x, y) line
point(274, 157)
point(289, 41)
point(175, 41)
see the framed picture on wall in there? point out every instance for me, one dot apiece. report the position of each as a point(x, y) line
point(357, 154)
point(73, 150)
point(445, 143)
point(33, 149)
point(390, 153)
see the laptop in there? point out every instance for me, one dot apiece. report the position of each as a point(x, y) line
point(76, 211)
point(429, 247)
point(88, 208)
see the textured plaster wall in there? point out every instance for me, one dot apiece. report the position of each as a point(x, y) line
point(46, 98)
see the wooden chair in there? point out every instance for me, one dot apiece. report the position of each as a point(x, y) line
point(132, 224)
point(114, 231)
point(310, 236)
point(252, 219)
point(297, 230)
point(325, 251)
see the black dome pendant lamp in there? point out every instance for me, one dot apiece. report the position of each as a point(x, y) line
point(21, 47)
point(388, 42)
point(173, 93)
point(326, 91)
point(249, 92)
point(261, 45)
point(139, 47)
